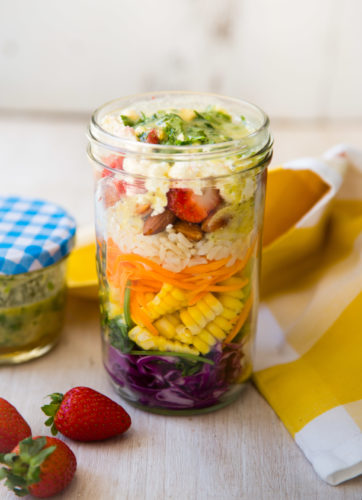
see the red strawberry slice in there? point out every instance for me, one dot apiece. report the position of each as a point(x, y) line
point(84, 414)
point(152, 137)
point(115, 162)
point(192, 207)
point(13, 428)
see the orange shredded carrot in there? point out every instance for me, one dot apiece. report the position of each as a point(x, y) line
point(122, 283)
point(241, 320)
point(195, 298)
point(149, 276)
point(205, 268)
point(141, 317)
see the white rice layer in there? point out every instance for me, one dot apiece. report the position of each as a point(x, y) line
point(173, 250)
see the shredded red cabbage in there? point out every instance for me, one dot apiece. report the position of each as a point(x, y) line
point(167, 382)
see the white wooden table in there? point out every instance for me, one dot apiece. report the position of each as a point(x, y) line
point(240, 452)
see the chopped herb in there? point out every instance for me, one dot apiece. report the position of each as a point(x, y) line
point(118, 335)
point(211, 126)
point(128, 121)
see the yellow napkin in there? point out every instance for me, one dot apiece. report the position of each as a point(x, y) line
point(309, 341)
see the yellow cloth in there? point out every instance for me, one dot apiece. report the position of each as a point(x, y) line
point(309, 341)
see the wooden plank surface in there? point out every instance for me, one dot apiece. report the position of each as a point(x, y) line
point(240, 452)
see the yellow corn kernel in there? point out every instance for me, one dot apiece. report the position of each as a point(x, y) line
point(197, 316)
point(132, 113)
point(229, 314)
point(206, 337)
point(222, 323)
point(161, 134)
point(201, 345)
point(194, 317)
point(189, 322)
point(184, 336)
point(186, 114)
point(165, 327)
point(148, 341)
point(174, 319)
point(230, 302)
point(214, 304)
point(205, 309)
point(237, 294)
point(168, 300)
point(114, 302)
point(215, 330)
point(178, 347)
point(178, 294)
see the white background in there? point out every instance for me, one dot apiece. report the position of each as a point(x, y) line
point(296, 59)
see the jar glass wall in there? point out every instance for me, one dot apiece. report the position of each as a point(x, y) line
point(178, 254)
point(31, 313)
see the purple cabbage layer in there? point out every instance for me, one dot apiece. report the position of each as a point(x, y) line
point(158, 381)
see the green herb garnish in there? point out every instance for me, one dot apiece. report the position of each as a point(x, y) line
point(118, 335)
point(211, 126)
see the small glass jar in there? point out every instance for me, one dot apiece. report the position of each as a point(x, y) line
point(35, 238)
point(179, 299)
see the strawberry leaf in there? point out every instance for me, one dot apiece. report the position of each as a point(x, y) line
point(30, 447)
point(51, 409)
point(23, 469)
point(49, 422)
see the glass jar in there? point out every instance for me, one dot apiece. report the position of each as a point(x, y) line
point(35, 239)
point(178, 298)
point(31, 313)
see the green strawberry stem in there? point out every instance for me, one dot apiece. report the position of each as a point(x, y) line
point(51, 409)
point(23, 469)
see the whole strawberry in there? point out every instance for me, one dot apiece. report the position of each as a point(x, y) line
point(83, 414)
point(13, 428)
point(41, 466)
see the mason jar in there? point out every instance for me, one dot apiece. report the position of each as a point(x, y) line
point(179, 199)
point(36, 238)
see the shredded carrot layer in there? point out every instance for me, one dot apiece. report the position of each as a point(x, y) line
point(147, 276)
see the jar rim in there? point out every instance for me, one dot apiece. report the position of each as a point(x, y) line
point(100, 137)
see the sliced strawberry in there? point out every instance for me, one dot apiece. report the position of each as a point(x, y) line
point(152, 137)
point(192, 207)
point(115, 162)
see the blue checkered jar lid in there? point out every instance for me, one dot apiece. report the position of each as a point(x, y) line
point(33, 234)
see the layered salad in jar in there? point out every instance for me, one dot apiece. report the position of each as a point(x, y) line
point(178, 240)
